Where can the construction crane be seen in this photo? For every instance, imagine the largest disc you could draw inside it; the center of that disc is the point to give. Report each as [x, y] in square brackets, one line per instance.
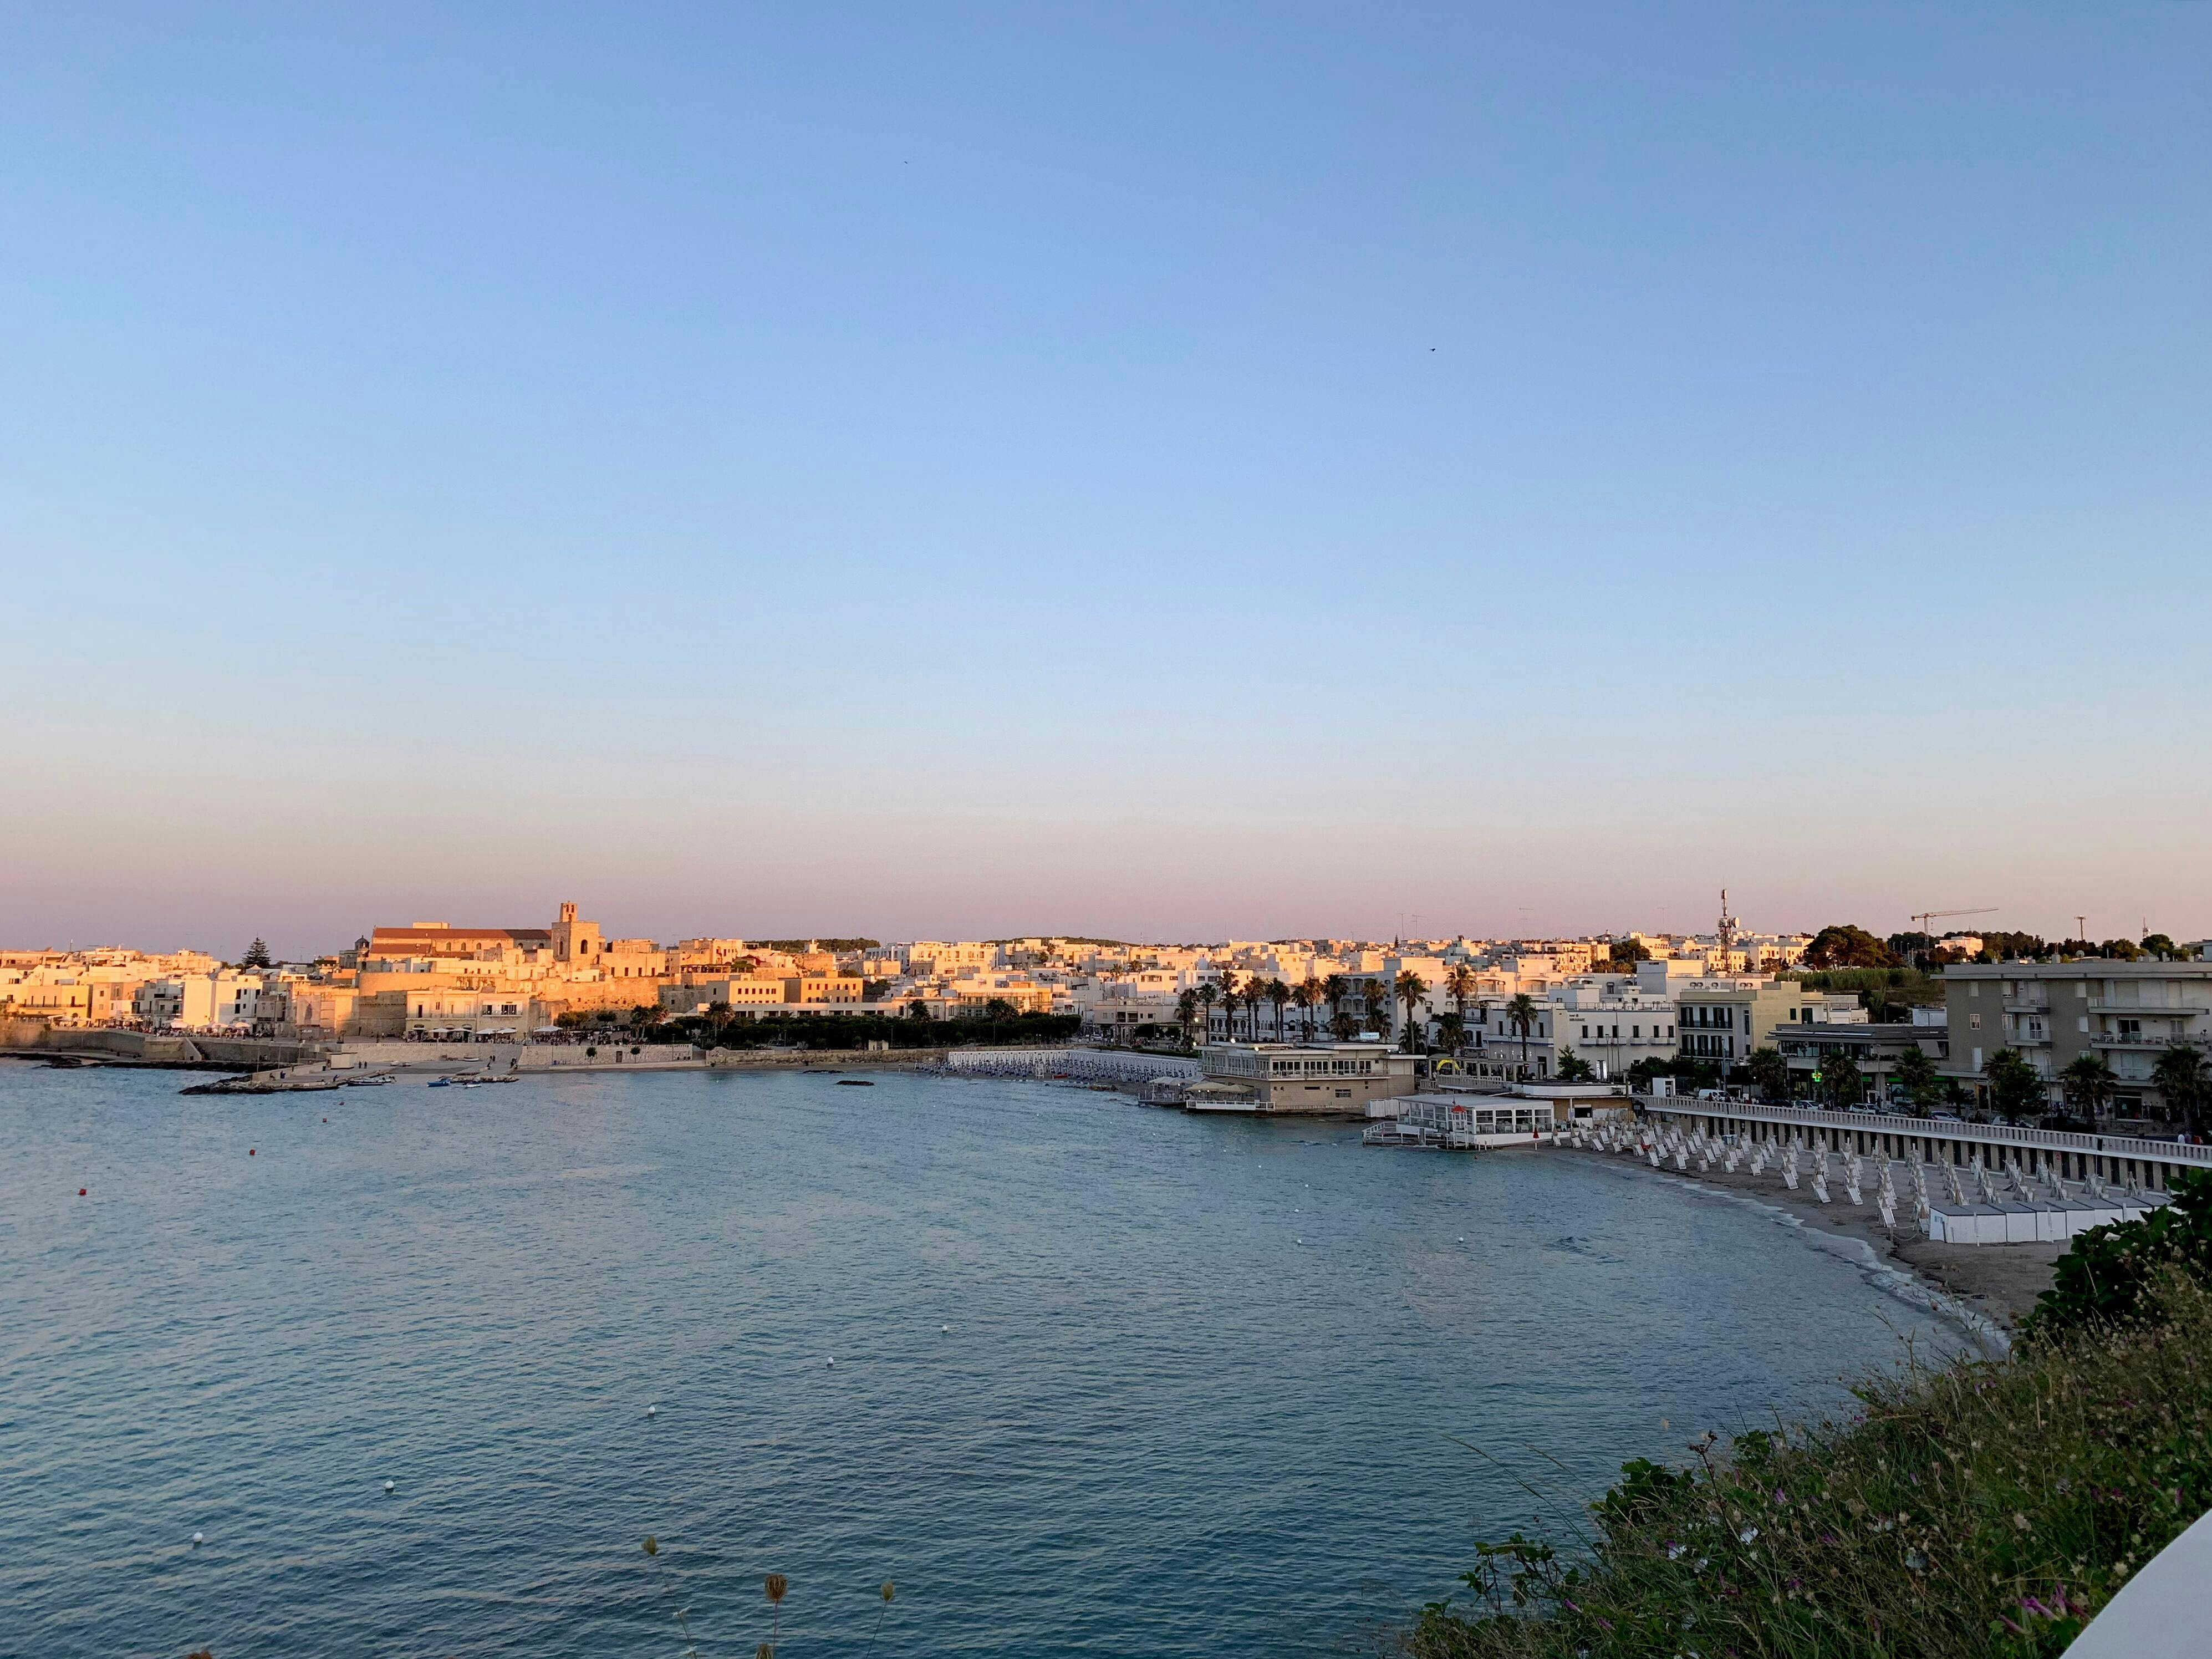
[1923, 917]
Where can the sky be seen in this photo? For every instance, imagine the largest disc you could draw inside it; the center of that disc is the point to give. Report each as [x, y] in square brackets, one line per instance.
[1156, 471]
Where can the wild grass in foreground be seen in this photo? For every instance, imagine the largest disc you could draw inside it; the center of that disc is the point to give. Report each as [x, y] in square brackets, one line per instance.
[1983, 1509]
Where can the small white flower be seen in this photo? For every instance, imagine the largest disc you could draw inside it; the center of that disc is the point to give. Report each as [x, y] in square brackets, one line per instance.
[1747, 1534]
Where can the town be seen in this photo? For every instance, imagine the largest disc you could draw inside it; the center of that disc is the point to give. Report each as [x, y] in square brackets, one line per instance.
[1990, 1024]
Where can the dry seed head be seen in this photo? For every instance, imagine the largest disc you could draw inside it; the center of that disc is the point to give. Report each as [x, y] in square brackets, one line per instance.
[775, 1586]
[887, 1589]
[652, 1545]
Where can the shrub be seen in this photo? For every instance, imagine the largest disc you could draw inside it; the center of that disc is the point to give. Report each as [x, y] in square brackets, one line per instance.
[1984, 1509]
[2109, 1270]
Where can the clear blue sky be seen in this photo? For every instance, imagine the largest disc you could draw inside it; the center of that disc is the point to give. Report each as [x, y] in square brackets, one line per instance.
[1175, 471]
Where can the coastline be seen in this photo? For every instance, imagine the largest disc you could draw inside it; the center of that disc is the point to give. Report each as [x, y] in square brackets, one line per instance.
[1984, 1289]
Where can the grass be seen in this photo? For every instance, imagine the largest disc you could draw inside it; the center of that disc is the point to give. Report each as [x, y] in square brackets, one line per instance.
[1987, 1507]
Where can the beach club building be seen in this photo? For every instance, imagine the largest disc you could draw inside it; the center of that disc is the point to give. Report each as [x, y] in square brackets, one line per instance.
[1328, 1077]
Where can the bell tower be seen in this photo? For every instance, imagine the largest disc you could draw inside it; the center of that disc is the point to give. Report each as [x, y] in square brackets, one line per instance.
[573, 941]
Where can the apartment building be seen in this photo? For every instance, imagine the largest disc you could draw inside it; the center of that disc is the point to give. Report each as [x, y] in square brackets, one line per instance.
[2053, 1012]
[740, 993]
[1724, 1019]
[1876, 1049]
[1610, 1023]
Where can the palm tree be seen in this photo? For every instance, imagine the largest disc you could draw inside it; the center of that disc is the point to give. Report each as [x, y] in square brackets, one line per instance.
[1411, 988]
[1333, 989]
[1304, 995]
[1451, 1033]
[1228, 1001]
[1208, 994]
[2089, 1082]
[1186, 1012]
[2180, 1077]
[1279, 994]
[1772, 1074]
[1459, 985]
[1376, 999]
[1521, 1015]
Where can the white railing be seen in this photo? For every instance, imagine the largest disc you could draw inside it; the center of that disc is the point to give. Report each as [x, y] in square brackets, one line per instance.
[2012, 1134]
[1114, 1065]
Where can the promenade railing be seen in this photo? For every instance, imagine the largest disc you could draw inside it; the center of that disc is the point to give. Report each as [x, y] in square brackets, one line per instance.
[1888, 1123]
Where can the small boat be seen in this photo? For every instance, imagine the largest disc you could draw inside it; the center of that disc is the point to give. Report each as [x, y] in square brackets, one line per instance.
[441, 1083]
[854, 1083]
[368, 1082]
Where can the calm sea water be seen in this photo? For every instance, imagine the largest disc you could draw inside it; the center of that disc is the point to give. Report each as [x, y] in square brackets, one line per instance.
[1108, 1380]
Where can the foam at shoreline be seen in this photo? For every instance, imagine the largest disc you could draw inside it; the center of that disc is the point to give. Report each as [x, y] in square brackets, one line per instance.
[1904, 1285]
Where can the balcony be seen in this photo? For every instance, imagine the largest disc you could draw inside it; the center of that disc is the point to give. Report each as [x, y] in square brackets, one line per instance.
[2145, 1043]
[2143, 1010]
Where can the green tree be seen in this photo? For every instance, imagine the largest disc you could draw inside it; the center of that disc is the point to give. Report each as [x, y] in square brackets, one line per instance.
[1770, 1072]
[1451, 1033]
[1229, 999]
[1411, 988]
[2158, 945]
[1626, 953]
[1186, 1013]
[999, 1008]
[1307, 995]
[1573, 1068]
[1839, 1080]
[257, 956]
[1521, 1015]
[1846, 946]
[917, 1010]
[1916, 1073]
[1342, 1026]
[1279, 994]
[2106, 1273]
[2015, 1090]
[1208, 994]
[2089, 1082]
[2178, 1077]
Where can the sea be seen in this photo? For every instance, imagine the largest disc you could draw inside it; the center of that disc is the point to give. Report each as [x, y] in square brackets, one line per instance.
[999, 1367]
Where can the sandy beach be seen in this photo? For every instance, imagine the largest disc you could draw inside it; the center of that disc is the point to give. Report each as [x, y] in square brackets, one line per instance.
[1999, 1282]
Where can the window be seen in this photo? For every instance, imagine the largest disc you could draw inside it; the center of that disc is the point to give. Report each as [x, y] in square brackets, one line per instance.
[1975, 1021]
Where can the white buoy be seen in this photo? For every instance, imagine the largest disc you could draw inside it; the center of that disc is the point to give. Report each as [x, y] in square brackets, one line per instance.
[387, 1485]
[199, 1539]
[1462, 1238]
[946, 1329]
[651, 1410]
[832, 1361]
[1297, 1241]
